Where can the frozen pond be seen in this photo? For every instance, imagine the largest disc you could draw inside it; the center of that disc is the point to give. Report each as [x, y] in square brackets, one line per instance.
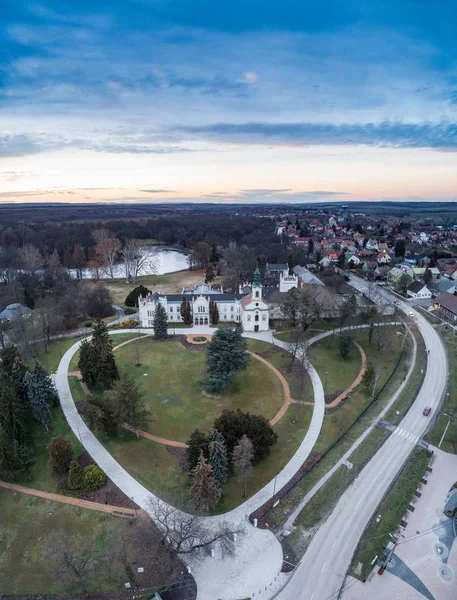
[167, 260]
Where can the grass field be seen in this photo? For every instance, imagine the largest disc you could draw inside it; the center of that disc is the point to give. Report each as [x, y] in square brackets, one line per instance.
[392, 510]
[171, 374]
[25, 522]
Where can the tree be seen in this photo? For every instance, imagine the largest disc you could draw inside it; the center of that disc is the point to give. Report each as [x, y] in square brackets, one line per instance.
[160, 322]
[15, 457]
[403, 282]
[60, 453]
[243, 457]
[107, 249]
[38, 398]
[214, 257]
[72, 558]
[134, 295]
[234, 424]
[128, 404]
[101, 414]
[86, 362]
[226, 356]
[204, 490]
[75, 476]
[291, 306]
[79, 260]
[40, 383]
[210, 275]
[213, 313]
[18, 378]
[186, 313]
[197, 444]
[8, 357]
[31, 257]
[104, 370]
[427, 277]
[12, 411]
[346, 345]
[200, 255]
[218, 458]
[98, 302]
[137, 258]
[400, 248]
[191, 534]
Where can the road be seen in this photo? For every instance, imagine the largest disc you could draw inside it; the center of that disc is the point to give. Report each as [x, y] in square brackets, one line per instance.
[322, 571]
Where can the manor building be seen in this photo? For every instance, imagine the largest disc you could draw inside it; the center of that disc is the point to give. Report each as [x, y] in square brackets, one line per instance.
[248, 307]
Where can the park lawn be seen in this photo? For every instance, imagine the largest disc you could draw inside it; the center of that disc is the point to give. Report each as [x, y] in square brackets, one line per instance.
[392, 510]
[449, 443]
[257, 346]
[25, 521]
[50, 359]
[42, 476]
[170, 374]
[299, 390]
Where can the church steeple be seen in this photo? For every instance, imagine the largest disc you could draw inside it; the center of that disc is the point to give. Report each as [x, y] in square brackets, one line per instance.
[256, 281]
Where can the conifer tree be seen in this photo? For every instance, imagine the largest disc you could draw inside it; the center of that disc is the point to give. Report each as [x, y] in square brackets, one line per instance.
[210, 275]
[226, 357]
[243, 456]
[86, 362]
[61, 453]
[218, 458]
[186, 312]
[204, 491]
[15, 457]
[39, 393]
[127, 400]
[12, 411]
[8, 357]
[160, 322]
[18, 377]
[214, 257]
[105, 370]
[213, 313]
[196, 445]
[75, 476]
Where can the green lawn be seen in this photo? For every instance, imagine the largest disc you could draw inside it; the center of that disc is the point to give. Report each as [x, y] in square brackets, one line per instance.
[450, 404]
[25, 522]
[171, 374]
[392, 510]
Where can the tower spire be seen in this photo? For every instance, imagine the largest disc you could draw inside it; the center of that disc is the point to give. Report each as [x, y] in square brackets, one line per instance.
[256, 281]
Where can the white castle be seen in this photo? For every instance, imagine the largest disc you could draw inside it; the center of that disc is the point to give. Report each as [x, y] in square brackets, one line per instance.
[249, 307]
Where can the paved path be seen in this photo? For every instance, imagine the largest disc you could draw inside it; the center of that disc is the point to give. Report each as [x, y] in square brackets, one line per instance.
[108, 508]
[288, 524]
[322, 570]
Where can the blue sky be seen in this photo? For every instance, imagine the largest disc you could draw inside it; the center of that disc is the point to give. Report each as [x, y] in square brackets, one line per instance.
[229, 102]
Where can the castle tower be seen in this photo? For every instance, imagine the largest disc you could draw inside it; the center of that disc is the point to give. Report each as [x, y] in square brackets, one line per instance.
[257, 285]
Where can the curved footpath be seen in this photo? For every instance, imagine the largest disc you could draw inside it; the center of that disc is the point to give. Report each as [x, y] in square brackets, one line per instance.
[322, 571]
[256, 565]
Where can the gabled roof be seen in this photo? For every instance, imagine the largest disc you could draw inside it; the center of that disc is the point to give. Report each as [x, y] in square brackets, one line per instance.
[416, 286]
[306, 276]
[447, 301]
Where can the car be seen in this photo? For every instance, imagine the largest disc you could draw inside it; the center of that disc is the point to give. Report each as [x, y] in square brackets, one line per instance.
[411, 314]
[427, 410]
[378, 518]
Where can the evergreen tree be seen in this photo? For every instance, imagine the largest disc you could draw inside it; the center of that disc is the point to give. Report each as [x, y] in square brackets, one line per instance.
[18, 377]
[127, 399]
[346, 345]
[214, 256]
[213, 313]
[105, 369]
[196, 445]
[12, 411]
[75, 476]
[226, 357]
[218, 458]
[210, 275]
[160, 322]
[101, 414]
[243, 457]
[39, 393]
[87, 362]
[15, 457]
[186, 313]
[204, 490]
[8, 357]
[61, 453]
[132, 298]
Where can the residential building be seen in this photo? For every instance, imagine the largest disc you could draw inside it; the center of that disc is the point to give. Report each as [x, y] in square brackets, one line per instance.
[418, 290]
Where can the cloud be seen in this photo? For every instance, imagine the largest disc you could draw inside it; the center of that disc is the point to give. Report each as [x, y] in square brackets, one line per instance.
[441, 136]
[157, 191]
[250, 77]
[21, 194]
[15, 175]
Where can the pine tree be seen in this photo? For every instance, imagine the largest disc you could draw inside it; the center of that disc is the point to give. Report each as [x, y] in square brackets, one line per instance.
[127, 399]
[186, 312]
[226, 357]
[196, 445]
[86, 362]
[213, 313]
[8, 357]
[218, 458]
[210, 275]
[243, 457]
[75, 476]
[105, 369]
[18, 377]
[214, 256]
[61, 453]
[15, 457]
[160, 322]
[204, 490]
[12, 411]
[39, 393]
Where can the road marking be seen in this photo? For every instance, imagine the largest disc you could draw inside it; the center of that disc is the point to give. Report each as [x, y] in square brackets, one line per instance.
[397, 430]
[325, 564]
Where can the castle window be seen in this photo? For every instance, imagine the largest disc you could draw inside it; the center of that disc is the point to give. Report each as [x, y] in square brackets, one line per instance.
[257, 294]
[249, 317]
[171, 309]
[257, 317]
[264, 317]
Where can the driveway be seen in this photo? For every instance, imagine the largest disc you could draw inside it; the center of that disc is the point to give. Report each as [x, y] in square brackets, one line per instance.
[425, 564]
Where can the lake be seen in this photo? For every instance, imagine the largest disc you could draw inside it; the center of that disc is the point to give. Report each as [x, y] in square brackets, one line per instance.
[168, 260]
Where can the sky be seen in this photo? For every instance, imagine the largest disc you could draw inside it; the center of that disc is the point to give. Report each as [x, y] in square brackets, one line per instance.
[230, 102]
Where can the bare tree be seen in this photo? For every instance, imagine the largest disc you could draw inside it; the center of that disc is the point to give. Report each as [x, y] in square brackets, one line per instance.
[137, 258]
[243, 456]
[31, 257]
[47, 319]
[71, 558]
[107, 250]
[98, 235]
[190, 534]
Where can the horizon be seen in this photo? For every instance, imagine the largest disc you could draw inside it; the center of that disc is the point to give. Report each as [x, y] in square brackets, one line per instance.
[139, 102]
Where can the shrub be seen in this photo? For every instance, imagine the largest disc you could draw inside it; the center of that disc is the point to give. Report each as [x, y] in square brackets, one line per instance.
[76, 476]
[132, 298]
[88, 324]
[130, 311]
[127, 324]
[61, 453]
[94, 478]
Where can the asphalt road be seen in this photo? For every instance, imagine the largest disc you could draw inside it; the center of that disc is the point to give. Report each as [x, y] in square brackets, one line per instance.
[322, 570]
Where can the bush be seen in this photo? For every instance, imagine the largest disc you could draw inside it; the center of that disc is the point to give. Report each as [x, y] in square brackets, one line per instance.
[61, 454]
[132, 298]
[94, 478]
[128, 324]
[88, 324]
[76, 476]
[130, 311]
[234, 424]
